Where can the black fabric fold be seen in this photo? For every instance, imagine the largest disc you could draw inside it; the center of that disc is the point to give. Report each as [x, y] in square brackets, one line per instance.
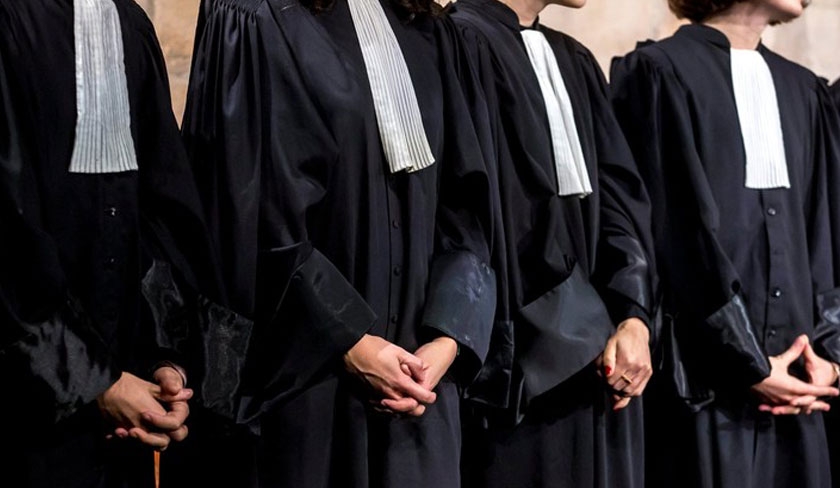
[460, 303]
[565, 330]
[313, 309]
[57, 367]
[827, 333]
[737, 345]
[304, 329]
[208, 340]
[492, 385]
[670, 362]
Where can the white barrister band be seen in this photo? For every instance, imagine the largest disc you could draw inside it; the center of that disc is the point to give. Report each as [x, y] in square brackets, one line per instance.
[570, 166]
[398, 115]
[103, 117]
[761, 126]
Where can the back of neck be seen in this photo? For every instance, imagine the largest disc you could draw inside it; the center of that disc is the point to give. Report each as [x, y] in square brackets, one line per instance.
[526, 10]
[742, 24]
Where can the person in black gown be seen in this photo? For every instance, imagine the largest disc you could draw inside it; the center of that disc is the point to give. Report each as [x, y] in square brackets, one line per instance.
[553, 406]
[365, 281]
[86, 207]
[832, 419]
[734, 144]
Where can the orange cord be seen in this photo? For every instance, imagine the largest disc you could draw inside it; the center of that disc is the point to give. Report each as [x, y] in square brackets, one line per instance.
[157, 469]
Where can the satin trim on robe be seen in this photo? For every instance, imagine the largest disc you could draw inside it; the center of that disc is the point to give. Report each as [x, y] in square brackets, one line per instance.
[103, 124]
[570, 166]
[761, 125]
[398, 115]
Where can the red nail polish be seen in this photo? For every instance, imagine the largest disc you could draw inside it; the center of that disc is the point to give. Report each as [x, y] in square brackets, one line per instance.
[607, 370]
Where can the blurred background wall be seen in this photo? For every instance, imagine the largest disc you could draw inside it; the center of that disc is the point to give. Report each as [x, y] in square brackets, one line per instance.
[607, 27]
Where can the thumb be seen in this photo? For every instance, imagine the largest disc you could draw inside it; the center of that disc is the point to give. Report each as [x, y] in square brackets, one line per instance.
[794, 351]
[170, 380]
[171, 386]
[810, 355]
[418, 375]
[414, 367]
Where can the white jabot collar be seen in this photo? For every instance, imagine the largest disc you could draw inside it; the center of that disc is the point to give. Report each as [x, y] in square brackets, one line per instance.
[761, 125]
[398, 115]
[103, 141]
[569, 163]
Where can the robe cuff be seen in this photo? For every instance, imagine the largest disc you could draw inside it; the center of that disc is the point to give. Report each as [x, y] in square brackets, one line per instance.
[206, 339]
[564, 331]
[461, 302]
[827, 333]
[492, 386]
[627, 292]
[737, 345]
[671, 365]
[629, 310]
[61, 364]
[307, 320]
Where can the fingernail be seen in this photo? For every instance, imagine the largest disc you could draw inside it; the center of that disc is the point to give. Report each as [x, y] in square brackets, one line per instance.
[607, 370]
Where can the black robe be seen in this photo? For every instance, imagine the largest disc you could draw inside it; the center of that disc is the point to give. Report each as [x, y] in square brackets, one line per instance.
[744, 271]
[832, 418]
[321, 244]
[569, 269]
[75, 247]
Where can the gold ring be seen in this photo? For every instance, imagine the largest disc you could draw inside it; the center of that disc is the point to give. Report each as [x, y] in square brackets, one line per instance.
[625, 378]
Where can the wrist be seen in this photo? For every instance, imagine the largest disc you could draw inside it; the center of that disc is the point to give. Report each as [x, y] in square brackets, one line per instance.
[449, 344]
[634, 324]
[355, 347]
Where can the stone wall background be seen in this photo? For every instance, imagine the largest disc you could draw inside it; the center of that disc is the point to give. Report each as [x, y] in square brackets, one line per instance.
[607, 27]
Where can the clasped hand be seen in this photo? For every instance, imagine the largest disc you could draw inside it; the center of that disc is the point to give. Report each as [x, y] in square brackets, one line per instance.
[784, 394]
[401, 382]
[152, 413]
[625, 363]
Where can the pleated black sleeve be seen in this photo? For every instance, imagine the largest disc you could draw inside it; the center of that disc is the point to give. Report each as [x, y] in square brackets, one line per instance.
[76, 247]
[494, 381]
[652, 107]
[317, 242]
[462, 287]
[562, 263]
[747, 270]
[245, 174]
[624, 269]
[827, 135]
[47, 338]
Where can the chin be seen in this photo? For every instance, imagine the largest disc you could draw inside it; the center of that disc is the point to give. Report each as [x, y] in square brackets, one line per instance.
[570, 3]
[787, 10]
[785, 18]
